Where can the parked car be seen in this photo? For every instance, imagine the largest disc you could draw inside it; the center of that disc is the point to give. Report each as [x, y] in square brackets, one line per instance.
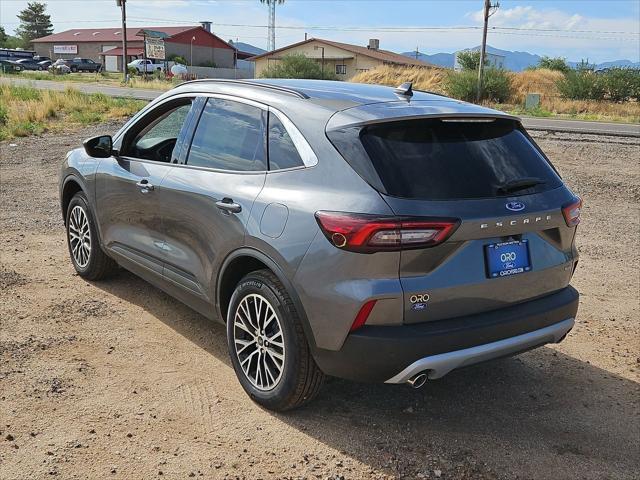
[9, 66]
[84, 65]
[341, 229]
[60, 66]
[28, 64]
[44, 64]
[146, 66]
[40, 58]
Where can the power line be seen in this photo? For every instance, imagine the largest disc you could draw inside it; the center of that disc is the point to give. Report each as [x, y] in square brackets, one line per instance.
[556, 33]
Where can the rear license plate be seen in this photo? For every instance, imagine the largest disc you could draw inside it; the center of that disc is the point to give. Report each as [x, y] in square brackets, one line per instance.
[508, 258]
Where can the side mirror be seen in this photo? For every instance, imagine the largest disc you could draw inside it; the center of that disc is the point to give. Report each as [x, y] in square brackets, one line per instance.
[99, 147]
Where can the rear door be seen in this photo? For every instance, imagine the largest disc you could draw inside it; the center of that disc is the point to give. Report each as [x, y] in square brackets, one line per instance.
[512, 243]
[209, 196]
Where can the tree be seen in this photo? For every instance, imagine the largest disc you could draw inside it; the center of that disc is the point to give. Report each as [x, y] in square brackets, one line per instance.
[34, 22]
[554, 63]
[297, 66]
[469, 60]
[9, 41]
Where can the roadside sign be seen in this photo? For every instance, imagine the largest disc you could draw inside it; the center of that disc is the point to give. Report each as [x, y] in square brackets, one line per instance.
[73, 49]
[154, 48]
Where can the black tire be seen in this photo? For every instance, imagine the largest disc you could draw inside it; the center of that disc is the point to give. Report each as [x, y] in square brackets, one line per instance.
[300, 379]
[96, 265]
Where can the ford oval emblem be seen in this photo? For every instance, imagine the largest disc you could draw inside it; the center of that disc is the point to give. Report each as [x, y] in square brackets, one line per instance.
[515, 206]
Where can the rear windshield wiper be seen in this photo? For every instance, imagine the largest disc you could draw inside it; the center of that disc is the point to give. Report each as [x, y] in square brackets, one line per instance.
[518, 184]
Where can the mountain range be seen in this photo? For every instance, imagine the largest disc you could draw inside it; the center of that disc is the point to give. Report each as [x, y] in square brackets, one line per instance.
[516, 61]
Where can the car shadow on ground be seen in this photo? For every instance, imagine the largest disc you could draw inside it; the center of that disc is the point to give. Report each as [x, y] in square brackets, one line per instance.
[543, 414]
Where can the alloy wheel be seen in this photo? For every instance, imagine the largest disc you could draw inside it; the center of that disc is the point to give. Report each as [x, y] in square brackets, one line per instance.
[258, 342]
[79, 236]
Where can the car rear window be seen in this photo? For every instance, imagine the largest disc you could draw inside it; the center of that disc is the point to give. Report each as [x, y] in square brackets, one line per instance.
[444, 159]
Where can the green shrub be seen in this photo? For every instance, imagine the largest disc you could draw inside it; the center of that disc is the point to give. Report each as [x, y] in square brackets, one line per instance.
[297, 66]
[469, 59]
[621, 84]
[464, 85]
[582, 84]
[554, 63]
[177, 59]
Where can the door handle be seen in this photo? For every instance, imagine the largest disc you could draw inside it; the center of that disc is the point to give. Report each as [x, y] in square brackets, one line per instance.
[228, 205]
[144, 186]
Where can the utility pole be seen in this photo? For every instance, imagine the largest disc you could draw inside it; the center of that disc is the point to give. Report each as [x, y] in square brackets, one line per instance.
[121, 4]
[272, 25]
[488, 11]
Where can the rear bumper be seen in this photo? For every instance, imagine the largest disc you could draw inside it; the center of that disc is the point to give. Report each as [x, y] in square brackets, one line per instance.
[393, 354]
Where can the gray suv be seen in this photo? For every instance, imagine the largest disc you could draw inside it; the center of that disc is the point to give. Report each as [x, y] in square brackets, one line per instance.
[357, 231]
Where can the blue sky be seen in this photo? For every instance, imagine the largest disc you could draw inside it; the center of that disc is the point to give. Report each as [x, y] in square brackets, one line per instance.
[555, 23]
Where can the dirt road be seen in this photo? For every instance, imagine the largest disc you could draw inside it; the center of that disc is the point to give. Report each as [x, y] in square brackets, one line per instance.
[117, 380]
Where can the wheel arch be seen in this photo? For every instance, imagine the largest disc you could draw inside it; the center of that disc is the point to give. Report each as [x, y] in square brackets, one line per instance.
[243, 261]
[70, 187]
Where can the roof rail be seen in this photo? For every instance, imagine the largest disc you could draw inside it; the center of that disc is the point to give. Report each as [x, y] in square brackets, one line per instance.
[289, 90]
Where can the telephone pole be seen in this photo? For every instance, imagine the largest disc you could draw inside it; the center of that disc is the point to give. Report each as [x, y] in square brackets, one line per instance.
[488, 11]
[121, 4]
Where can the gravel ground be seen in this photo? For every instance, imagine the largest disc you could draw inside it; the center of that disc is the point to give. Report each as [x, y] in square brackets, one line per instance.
[117, 380]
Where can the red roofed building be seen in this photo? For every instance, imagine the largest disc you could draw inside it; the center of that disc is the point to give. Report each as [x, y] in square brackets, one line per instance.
[196, 44]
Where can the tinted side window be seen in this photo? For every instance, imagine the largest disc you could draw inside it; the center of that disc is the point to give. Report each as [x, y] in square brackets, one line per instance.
[282, 151]
[229, 136]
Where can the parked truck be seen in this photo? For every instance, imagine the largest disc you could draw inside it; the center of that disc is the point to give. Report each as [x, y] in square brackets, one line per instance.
[146, 66]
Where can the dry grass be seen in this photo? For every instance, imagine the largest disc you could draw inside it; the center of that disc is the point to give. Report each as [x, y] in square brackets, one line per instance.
[153, 83]
[27, 111]
[540, 81]
[429, 79]
[627, 112]
[105, 78]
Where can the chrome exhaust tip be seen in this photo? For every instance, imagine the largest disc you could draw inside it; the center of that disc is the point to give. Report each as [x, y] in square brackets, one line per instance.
[418, 380]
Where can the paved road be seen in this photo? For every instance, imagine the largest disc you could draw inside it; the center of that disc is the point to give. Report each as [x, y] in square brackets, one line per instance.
[555, 125]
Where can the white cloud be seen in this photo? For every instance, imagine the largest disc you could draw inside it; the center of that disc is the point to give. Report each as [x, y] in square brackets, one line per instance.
[567, 40]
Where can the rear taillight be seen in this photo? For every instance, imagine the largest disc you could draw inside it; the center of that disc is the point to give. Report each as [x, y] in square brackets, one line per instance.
[374, 233]
[571, 212]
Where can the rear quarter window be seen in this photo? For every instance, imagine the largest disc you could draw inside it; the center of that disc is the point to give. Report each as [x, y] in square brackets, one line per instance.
[442, 159]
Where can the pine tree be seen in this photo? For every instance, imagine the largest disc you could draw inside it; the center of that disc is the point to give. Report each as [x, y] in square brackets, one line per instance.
[34, 22]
